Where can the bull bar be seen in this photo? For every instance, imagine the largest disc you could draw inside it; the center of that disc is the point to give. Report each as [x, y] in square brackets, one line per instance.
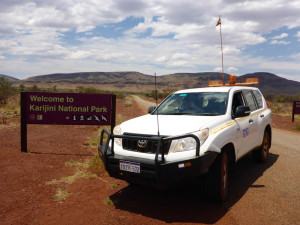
[153, 173]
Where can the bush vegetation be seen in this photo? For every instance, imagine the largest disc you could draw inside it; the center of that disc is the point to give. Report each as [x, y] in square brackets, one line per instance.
[160, 95]
[9, 97]
[79, 89]
[282, 98]
[282, 105]
[6, 91]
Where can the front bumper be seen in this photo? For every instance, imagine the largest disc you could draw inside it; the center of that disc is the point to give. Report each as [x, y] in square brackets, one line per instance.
[158, 172]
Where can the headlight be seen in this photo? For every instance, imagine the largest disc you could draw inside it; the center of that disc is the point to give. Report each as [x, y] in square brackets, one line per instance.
[189, 143]
[185, 144]
[118, 131]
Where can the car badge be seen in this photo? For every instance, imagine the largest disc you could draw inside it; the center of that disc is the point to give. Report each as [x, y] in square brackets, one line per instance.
[142, 143]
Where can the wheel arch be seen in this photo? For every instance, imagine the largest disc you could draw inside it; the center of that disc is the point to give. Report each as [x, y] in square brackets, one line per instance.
[269, 130]
[230, 150]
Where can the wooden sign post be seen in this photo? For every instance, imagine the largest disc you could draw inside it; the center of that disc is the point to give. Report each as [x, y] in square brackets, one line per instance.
[296, 109]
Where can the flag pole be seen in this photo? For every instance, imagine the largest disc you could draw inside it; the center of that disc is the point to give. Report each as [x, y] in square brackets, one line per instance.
[219, 23]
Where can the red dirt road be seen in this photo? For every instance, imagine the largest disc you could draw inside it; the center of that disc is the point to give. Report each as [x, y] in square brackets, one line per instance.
[260, 193]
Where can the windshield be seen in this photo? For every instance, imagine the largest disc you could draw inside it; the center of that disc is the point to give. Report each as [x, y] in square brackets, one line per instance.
[201, 103]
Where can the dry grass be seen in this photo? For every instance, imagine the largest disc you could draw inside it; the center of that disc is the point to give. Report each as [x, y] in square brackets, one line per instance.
[282, 109]
[81, 171]
[10, 110]
[106, 87]
[297, 127]
[87, 169]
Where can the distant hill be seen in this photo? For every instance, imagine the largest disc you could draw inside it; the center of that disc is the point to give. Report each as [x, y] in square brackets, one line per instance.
[272, 84]
[125, 81]
[10, 79]
[138, 82]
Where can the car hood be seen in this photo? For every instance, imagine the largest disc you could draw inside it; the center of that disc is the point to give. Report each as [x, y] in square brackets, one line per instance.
[168, 124]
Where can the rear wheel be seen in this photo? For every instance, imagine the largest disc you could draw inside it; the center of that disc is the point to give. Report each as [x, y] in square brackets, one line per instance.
[262, 154]
[218, 177]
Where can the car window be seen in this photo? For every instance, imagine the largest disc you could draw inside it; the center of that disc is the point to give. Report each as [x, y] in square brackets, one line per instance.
[250, 100]
[258, 98]
[202, 103]
[237, 101]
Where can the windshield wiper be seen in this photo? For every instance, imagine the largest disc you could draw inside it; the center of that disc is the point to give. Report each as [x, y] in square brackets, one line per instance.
[208, 114]
[176, 113]
[194, 114]
[179, 113]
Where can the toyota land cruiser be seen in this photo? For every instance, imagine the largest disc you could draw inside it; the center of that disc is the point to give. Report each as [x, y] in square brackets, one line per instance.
[193, 131]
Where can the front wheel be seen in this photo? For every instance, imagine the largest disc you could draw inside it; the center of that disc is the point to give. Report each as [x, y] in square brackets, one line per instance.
[218, 177]
[262, 154]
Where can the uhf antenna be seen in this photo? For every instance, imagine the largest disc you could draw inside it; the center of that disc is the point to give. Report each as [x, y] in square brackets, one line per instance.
[156, 106]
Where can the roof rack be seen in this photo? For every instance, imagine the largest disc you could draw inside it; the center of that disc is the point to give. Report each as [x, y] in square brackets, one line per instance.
[232, 82]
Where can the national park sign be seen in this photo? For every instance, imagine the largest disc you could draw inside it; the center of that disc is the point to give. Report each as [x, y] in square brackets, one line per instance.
[66, 109]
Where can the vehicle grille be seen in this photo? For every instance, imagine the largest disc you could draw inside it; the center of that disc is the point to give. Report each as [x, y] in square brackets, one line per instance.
[145, 146]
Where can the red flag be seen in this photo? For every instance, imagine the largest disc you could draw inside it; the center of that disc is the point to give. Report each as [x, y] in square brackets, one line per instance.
[219, 21]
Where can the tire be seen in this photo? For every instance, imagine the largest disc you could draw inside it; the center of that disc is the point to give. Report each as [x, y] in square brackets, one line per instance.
[262, 154]
[218, 178]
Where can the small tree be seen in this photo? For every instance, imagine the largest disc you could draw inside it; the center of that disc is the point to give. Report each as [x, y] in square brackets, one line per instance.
[6, 90]
[54, 89]
[34, 88]
[22, 87]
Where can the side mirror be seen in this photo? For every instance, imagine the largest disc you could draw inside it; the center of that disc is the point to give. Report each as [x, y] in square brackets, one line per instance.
[242, 111]
[151, 109]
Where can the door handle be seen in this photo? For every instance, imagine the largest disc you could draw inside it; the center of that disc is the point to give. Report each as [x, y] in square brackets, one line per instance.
[251, 121]
[262, 116]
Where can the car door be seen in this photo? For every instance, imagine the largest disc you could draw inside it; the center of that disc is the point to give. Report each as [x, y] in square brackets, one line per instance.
[242, 139]
[253, 122]
[263, 115]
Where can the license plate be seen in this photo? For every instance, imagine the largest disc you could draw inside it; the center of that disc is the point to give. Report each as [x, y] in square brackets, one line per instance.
[130, 166]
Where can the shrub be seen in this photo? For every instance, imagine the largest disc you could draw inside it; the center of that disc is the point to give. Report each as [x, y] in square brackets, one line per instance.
[22, 87]
[34, 88]
[92, 90]
[89, 90]
[282, 98]
[160, 95]
[6, 90]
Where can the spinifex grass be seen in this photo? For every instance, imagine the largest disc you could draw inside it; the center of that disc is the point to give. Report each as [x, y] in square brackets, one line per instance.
[87, 169]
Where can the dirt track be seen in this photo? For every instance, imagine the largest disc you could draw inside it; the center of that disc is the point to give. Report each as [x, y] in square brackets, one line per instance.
[260, 193]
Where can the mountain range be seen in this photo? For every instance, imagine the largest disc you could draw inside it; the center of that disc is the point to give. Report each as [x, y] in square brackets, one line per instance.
[9, 78]
[138, 82]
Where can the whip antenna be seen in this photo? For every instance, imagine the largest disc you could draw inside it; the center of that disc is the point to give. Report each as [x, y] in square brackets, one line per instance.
[156, 107]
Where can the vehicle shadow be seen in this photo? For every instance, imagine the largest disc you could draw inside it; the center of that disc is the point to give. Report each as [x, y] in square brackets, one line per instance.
[190, 203]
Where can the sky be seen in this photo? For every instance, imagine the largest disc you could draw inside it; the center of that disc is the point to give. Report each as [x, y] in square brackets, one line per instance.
[149, 36]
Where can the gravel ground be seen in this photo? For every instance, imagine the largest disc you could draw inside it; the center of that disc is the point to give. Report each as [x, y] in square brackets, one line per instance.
[266, 193]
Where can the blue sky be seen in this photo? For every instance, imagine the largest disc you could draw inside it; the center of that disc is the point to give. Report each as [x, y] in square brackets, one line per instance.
[149, 36]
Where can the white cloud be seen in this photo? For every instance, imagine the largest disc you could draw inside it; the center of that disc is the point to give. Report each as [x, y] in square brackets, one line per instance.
[174, 36]
[298, 35]
[275, 42]
[232, 69]
[283, 35]
[265, 15]
[280, 66]
[161, 59]
[217, 69]
[295, 56]
[290, 77]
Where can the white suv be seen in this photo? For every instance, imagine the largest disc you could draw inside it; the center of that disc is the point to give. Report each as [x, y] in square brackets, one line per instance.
[191, 132]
